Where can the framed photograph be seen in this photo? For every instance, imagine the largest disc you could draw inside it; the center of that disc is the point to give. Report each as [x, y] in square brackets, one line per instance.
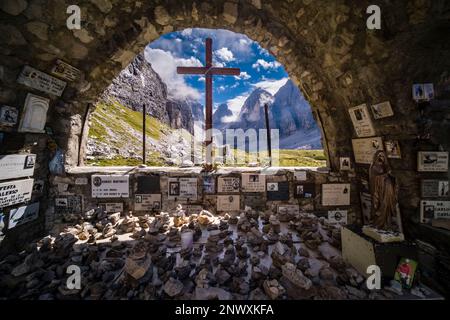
[272, 186]
[344, 164]
[305, 191]
[382, 110]
[428, 89]
[432, 161]
[392, 148]
[418, 92]
[8, 116]
[405, 272]
[174, 188]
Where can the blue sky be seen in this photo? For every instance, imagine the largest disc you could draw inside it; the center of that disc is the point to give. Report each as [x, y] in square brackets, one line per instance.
[187, 48]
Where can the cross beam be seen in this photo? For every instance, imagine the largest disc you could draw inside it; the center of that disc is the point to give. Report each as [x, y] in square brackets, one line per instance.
[208, 71]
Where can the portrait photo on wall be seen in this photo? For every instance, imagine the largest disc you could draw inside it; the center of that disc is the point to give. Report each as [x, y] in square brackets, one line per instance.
[174, 188]
[392, 149]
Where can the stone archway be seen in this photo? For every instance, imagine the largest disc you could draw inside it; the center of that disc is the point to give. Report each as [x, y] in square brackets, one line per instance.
[326, 49]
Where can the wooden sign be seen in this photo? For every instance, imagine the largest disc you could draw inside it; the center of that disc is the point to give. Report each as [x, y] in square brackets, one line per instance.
[23, 215]
[336, 194]
[228, 202]
[255, 201]
[252, 182]
[8, 116]
[17, 166]
[423, 92]
[14, 192]
[34, 115]
[228, 184]
[300, 175]
[361, 121]
[288, 208]
[305, 191]
[147, 202]
[112, 207]
[69, 204]
[432, 161]
[435, 188]
[65, 71]
[81, 181]
[392, 148]
[337, 216]
[365, 149]
[382, 110]
[344, 164]
[434, 209]
[209, 184]
[148, 185]
[182, 188]
[41, 81]
[110, 186]
[278, 191]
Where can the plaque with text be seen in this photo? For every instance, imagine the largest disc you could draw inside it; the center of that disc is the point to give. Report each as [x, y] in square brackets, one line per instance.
[23, 215]
[41, 81]
[193, 208]
[288, 208]
[17, 166]
[337, 216]
[435, 188]
[14, 192]
[182, 188]
[432, 161]
[382, 110]
[228, 202]
[65, 71]
[253, 182]
[209, 184]
[228, 184]
[147, 202]
[305, 191]
[81, 181]
[278, 191]
[148, 185]
[434, 209]
[112, 207]
[110, 186]
[70, 204]
[365, 149]
[362, 123]
[300, 175]
[336, 194]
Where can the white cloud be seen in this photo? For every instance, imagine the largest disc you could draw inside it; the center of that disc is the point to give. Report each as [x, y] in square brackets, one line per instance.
[235, 104]
[165, 64]
[225, 55]
[201, 79]
[261, 63]
[221, 88]
[186, 32]
[243, 76]
[272, 86]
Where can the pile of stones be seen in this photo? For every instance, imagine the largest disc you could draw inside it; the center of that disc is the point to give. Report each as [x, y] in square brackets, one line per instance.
[252, 255]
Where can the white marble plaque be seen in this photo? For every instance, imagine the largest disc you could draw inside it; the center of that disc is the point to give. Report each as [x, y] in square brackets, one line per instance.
[8, 116]
[336, 194]
[252, 182]
[34, 115]
[433, 209]
[14, 192]
[81, 181]
[182, 188]
[300, 175]
[147, 202]
[337, 216]
[382, 110]
[228, 202]
[65, 71]
[41, 81]
[361, 121]
[365, 149]
[112, 207]
[288, 208]
[228, 184]
[432, 161]
[17, 166]
[23, 215]
[434, 188]
[110, 186]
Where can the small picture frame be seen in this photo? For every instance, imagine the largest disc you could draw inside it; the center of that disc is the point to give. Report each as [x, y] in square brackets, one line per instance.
[392, 148]
[344, 164]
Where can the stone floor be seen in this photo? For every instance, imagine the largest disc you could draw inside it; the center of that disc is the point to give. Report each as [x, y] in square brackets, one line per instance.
[254, 255]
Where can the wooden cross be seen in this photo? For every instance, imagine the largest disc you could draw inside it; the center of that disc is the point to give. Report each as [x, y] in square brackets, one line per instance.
[209, 71]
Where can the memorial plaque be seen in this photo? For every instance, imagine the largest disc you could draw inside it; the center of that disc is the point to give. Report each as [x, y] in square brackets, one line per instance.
[336, 194]
[228, 202]
[432, 161]
[17, 166]
[252, 182]
[209, 184]
[41, 81]
[8, 116]
[148, 185]
[288, 208]
[14, 192]
[228, 184]
[34, 115]
[182, 188]
[300, 175]
[382, 110]
[193, 208]
[337, 216]
[434, 188]
[255, 201]
[65, 71]
[392, 148]
[278, 191]
[110, 207]
[110, 186]
[305, 191]
[433, 209]
[423, 92]
[81, 181]
[70, 204]
[365, 149]
[366, 207]
[23, 215]
[147, 202]
[344, 163]
[361, 121]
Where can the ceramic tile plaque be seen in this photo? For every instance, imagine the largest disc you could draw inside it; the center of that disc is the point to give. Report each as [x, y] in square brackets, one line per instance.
[147, 202]
[15, 192]
[228, 184]
[17, 166]
[112, 207]
[337, 216]
[434, 209]
[182, 188]
[435, 188]
[110, 186]
[336, 194]
[229, 202]
[362, 123]
[432, 161]
[253, 182]
[365, 149]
